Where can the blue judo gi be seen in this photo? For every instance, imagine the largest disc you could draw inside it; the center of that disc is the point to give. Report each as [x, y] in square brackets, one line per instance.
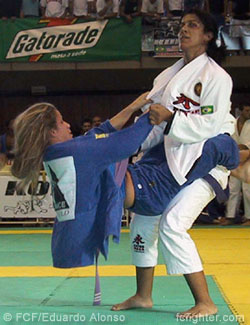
[155, 186]
[86, 198]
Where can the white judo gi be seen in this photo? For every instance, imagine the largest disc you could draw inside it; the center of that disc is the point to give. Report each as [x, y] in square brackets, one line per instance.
[235, 184]
[199, 96]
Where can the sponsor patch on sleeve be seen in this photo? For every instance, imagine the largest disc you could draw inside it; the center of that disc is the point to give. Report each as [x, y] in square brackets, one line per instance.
[207, 110]
[101, 136]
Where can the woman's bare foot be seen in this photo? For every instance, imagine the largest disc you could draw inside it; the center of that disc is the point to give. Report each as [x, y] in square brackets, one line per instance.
[199, 310]
[134, 302]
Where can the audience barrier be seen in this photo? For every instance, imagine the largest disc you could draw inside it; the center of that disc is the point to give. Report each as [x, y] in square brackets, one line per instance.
[16, 205]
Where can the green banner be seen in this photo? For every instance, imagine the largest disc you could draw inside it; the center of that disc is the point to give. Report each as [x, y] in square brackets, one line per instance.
[31, 40]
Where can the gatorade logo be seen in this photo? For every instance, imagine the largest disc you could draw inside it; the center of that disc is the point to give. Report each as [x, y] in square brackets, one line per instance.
[56, 39]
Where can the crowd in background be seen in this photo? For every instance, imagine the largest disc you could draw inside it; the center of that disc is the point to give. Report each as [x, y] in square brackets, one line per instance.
[88, 124]
[128, 9]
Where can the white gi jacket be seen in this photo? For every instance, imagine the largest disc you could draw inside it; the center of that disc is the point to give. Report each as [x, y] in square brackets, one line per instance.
[244, 136]
[199, 94]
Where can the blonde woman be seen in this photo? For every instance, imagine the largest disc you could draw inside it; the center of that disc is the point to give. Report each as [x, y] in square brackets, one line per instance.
[85, 196]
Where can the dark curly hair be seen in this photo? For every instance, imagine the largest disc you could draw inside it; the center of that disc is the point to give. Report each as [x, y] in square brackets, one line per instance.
[216, 52]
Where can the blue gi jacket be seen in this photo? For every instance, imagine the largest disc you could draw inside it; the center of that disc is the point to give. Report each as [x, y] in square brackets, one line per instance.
[87, 200]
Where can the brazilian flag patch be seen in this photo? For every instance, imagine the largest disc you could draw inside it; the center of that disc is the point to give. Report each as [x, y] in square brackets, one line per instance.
[207, 110]
[102, 135]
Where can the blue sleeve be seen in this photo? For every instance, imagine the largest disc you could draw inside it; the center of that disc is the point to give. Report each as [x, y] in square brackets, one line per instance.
[105, 127]
[108, 148]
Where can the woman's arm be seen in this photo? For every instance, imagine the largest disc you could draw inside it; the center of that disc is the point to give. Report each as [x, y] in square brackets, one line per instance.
[108, 148]
[120, 119]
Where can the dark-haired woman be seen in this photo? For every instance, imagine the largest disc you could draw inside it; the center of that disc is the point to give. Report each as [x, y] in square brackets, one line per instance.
[195, 93]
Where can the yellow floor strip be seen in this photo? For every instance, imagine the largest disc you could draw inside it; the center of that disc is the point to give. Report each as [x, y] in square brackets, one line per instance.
[197, 233]
[28, 232]
[220, 270]
[24, 232]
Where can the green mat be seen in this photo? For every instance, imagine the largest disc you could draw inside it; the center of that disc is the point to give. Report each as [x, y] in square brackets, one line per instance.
[54, 299]
[64, 300]
[34, 249]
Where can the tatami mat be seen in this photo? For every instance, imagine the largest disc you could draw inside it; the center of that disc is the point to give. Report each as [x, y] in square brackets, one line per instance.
[30, 287]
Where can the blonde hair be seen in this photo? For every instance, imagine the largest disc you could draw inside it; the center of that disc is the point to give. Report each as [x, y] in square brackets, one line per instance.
[31, 130]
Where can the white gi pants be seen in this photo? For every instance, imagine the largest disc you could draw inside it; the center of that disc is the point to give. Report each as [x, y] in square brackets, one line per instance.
[235, 186]
[179, 251]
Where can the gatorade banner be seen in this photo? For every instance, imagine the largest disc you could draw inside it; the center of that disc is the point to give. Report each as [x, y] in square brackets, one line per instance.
[31, 40]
